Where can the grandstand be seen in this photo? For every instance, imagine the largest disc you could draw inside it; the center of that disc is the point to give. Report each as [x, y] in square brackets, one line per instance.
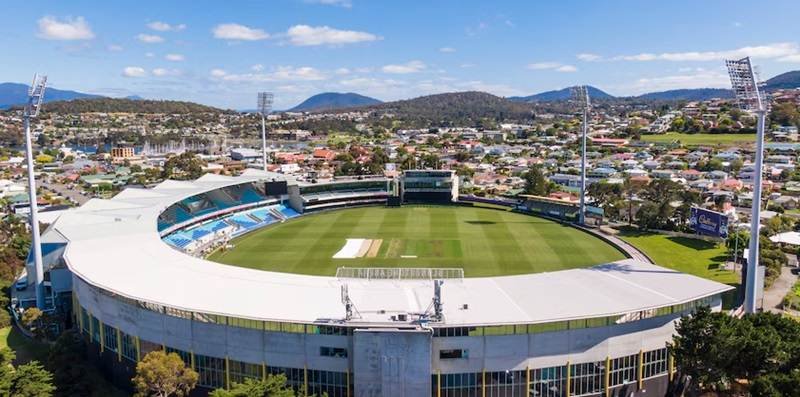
[596, 331]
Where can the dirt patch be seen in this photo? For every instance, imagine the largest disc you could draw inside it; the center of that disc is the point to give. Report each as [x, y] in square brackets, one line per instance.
[373, 248]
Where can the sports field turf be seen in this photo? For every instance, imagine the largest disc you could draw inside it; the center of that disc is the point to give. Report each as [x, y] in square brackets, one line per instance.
[484, 242]
[701, 139]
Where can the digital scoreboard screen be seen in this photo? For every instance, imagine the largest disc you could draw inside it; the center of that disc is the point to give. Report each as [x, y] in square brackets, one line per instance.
[276, 188]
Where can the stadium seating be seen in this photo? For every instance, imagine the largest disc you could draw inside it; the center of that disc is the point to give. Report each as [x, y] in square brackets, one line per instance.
[243, 220]
[287, 212]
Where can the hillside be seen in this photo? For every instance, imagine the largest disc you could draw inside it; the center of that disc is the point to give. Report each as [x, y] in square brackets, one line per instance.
[120, 105]
[784, 80]
[692, 94]
[334, 100]
[456, 108]
[561, 95]
[16, 94]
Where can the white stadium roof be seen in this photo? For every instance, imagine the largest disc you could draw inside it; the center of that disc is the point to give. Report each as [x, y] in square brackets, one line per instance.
[114, 245]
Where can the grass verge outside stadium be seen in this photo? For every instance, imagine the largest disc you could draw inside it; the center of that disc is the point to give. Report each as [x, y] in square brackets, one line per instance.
[693, 256]
[484, 242]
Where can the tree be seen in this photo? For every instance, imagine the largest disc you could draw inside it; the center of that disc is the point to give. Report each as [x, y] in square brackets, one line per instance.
[69, 363]
[31, 318]
[272, 386]
[28, 380]
[162, 375]
[186, 166]
[535, 182]
[32, 380]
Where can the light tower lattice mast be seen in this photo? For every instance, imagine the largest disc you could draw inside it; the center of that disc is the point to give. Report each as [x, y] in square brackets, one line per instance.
[751, 99]
[264, 108]
[581, 93]
[35, 98]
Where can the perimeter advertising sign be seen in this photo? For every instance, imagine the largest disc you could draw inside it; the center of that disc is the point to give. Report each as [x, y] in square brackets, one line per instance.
[709, 223]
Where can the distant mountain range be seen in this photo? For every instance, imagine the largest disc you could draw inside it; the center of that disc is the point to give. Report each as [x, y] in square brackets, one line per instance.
[560, 95]
[16, 94]
[334, 100]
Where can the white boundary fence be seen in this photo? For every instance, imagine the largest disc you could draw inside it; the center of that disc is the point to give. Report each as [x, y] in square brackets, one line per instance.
[399, 273]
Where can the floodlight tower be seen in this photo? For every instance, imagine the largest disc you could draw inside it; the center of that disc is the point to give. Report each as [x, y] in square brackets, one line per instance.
[35, 98]
[751, 99]
[264, 108]
[581, 94]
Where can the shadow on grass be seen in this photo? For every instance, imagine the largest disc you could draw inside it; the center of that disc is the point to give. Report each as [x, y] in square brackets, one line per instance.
[481, 222]
[26, 349]
[693, 243]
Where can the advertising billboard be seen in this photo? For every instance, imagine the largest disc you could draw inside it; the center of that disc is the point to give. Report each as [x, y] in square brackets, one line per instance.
[709, 223]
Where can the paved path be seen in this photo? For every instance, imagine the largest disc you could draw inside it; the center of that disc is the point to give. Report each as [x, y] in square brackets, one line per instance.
[782, 285]
[630, 251]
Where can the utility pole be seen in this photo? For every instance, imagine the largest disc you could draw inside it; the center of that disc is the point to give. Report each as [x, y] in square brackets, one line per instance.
[32, 107]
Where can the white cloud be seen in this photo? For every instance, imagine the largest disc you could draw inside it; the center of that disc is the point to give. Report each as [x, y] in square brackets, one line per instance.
[558, 67]
[342, 71]
[174, 57]
[134, 71]
[165, 27]
[162, 72]
[115, 48]
[767, 51]
[700, 78]
[447, 49]
[51, 28]
[257, 67]
[149, 38]
[149, 54]
[338, 3]
[234, 31]
[790, 58]
[281, 73]
[566, 69]
[304, 35]
[588, 57]
[467, 65]
[405, 68]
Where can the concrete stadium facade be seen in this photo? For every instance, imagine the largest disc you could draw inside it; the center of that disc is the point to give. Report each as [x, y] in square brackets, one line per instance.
[599, 331]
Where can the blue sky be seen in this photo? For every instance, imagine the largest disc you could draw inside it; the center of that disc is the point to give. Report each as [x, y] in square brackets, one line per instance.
[222, 53]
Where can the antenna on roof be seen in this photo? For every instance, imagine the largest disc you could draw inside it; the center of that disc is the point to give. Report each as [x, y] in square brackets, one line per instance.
[32, 107]
[438, 314]
[349, 307]
[581, 94]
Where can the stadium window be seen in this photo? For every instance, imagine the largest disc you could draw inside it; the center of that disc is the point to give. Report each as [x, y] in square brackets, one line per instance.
[293, 328]
[95, 329]
[338, 352]
[654, 363]
[587, 378]
[499, 330]
[211, 371]
[110, 337]
[623, 370]
[596, 322]
[128, 347]
[272, 326]
[240, 371]
[245, 323]
[450, 354]
[577, 324]
[547, 327]
[550, 381]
